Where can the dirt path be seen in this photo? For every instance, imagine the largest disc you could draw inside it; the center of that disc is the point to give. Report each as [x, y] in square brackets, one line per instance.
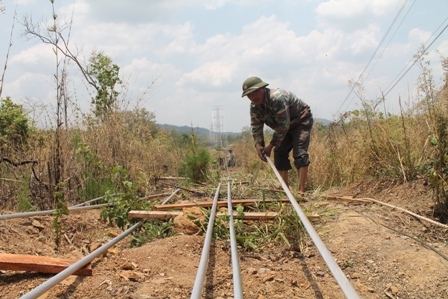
[379, 262]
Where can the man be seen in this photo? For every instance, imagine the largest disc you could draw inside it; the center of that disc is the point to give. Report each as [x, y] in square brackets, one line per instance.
[291, 120]
[230, 159]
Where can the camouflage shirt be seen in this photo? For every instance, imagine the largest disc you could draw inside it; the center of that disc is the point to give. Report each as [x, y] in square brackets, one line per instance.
[282, 110]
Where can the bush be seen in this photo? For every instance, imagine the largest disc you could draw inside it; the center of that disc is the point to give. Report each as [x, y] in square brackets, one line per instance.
[14, 124]
[196, 162]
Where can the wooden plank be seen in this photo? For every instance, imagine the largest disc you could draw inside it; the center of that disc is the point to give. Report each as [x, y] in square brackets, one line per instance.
[164, 215]
[272, 190]
[156, 195]
[43, 264]
[253, 215]
[171, 178]
[208, 204]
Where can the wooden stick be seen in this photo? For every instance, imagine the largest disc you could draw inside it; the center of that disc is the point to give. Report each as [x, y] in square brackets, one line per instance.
[19, 262]
[164, 215]
[349, 199]
[272, 190]
[157, 195]
[185, 189]
[171, 178]
[208, 204]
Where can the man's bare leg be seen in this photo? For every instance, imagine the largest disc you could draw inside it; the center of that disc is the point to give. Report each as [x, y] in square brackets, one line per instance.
[284, 175]
[302, 173]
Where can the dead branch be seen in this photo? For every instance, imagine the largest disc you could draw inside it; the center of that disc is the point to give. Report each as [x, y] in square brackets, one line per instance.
[4, 159]
[7, 53]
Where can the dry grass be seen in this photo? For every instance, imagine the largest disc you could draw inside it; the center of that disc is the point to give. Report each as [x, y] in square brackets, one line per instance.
[362, 145]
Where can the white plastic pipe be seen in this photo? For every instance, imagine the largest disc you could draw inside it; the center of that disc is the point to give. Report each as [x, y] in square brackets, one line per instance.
[202, 268]
[340, 277]
[48, 212]
[38, 291]
[95, 199]
[168, 199]
[237, 286]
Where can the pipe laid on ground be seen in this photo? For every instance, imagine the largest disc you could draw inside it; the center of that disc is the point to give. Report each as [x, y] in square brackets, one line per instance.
[168, 199]
[38, 291]
[95, 199]
[340, 277]
[237, 286]
[48, 212]
[200, 275]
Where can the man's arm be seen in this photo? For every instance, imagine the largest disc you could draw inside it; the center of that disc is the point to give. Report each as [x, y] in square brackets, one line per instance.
[282, 118]
[257, 126]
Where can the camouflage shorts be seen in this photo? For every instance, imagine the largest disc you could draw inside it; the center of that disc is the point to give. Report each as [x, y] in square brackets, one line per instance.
[298, 140]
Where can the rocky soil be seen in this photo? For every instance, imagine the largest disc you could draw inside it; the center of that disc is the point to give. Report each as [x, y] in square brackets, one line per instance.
[384, 252]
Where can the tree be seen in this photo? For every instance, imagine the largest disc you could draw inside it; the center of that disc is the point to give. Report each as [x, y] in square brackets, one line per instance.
[105, 74]
[52, 34]
[141, 122]
[14, 124]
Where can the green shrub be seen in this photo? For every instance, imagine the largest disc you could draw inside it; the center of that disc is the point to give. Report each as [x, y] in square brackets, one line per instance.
[14, 124]
[196, 162]
[124, 201]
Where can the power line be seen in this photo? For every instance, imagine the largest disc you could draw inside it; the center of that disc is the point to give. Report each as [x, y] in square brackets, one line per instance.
[376, 50]
[425, 49]
[396, 30]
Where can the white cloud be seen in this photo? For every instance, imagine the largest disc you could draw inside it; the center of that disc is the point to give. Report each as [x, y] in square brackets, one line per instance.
[362, 41]
[137, 11]
[418, 36]
[352, 15]
[198, 62]
[343, 9]
[37, 57]
[182, 40]
[212, 74]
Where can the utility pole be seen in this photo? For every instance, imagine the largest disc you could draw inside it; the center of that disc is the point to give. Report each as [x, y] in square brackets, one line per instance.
[217, 135]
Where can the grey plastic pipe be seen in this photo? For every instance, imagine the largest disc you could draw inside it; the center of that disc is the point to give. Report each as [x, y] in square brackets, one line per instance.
[340, 277]
[168, 199]
[47, 212]
[237, 286]
[202, 268]
[95, 199]
[38, 291]
[81, 263]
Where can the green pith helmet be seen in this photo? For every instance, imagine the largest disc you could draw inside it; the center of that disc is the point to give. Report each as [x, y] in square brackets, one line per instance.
[251, 84]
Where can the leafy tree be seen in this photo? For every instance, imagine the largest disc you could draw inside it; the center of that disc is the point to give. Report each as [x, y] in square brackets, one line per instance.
[14, 124]
[105, 73]
[141, 122]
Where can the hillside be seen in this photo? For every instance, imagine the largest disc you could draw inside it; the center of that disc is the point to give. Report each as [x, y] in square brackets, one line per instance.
[204, 131]
[187, 130]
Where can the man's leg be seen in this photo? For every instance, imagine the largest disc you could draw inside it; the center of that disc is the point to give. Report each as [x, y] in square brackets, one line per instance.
[281, 157]
[302, 174]
[301, 140]
[284, 175]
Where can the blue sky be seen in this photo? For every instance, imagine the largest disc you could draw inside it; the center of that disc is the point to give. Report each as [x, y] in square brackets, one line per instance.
[194, 55]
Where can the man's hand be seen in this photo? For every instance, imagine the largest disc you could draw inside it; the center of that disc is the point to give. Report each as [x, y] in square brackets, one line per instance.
[268, 150]
[261, 152]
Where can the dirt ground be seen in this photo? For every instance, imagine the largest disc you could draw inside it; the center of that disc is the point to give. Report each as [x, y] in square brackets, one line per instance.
[384, 252]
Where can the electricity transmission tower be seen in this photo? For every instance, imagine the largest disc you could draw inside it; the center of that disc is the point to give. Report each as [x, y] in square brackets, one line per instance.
[217, 136]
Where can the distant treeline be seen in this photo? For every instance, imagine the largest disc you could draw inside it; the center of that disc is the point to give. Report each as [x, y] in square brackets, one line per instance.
[203, 131]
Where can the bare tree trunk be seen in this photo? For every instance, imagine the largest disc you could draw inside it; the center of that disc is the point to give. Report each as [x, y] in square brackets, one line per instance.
[7, 53]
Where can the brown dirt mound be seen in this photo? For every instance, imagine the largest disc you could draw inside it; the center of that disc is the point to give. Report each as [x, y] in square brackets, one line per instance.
[373, 244]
